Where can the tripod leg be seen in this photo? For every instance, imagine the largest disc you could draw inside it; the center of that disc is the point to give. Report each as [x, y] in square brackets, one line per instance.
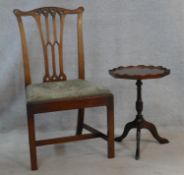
[127, 128]
[151, 127]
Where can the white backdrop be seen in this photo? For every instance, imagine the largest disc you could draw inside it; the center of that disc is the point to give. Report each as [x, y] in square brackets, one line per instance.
[116, 32]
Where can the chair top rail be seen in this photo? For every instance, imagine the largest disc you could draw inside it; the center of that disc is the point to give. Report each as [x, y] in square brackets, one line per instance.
[48, 10]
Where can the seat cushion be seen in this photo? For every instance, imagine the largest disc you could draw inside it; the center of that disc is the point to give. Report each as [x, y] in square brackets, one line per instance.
[62, 90]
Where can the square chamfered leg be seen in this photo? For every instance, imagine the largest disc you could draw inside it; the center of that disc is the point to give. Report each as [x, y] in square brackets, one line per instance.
[110, 129]
[80, 121]
[32, 141]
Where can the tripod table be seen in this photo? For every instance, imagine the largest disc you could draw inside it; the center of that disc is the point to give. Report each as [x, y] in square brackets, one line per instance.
[140, 73]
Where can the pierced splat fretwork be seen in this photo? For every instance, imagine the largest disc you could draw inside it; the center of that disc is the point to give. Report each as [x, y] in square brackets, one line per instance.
[55, 43]
[50, 22]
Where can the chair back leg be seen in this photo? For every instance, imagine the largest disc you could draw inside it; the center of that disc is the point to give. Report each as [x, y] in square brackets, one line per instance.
[110, 129]
[80, 121]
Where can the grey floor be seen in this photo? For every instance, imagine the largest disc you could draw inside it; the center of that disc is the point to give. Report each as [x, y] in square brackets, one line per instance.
[89, 157]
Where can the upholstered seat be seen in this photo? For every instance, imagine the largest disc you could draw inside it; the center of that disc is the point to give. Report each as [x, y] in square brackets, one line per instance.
[63, 90]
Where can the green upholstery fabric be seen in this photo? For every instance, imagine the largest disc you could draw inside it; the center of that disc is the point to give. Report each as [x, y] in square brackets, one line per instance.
[62, 90]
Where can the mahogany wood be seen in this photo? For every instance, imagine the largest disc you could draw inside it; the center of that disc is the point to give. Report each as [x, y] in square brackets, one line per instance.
[80, 121]
[61, 104]
[138, 73]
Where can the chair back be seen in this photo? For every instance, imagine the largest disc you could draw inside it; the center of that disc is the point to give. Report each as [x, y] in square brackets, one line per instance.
[48, 20]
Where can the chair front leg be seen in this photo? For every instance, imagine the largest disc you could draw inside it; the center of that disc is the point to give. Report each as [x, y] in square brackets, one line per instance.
[110, 129]
[32, 141]
[80, 121]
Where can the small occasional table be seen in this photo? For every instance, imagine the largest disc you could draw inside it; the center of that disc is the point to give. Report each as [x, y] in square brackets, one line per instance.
[139, 73]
